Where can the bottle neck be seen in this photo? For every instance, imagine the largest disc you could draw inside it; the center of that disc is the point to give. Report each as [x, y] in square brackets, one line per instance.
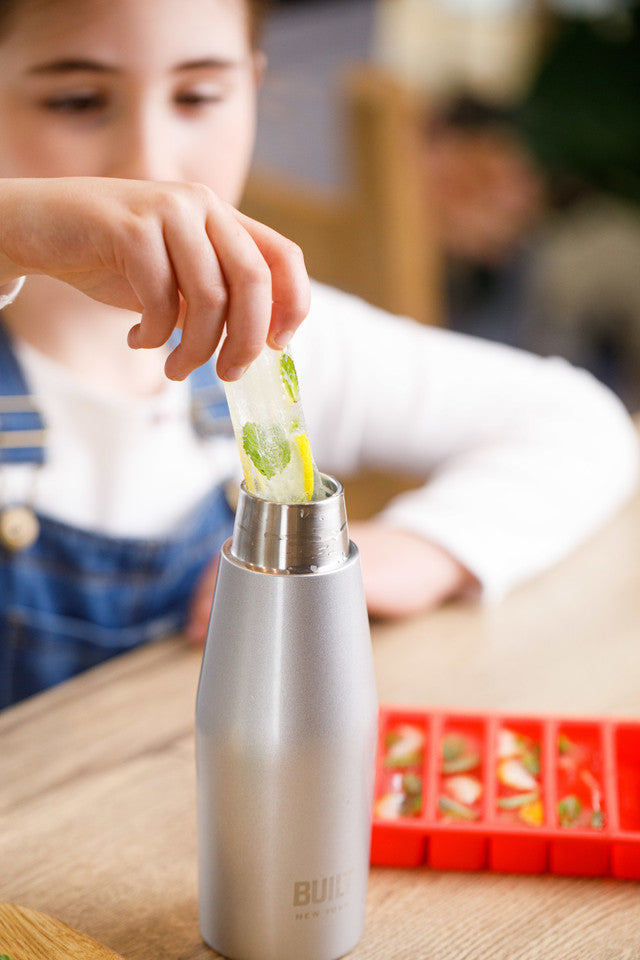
[292, 537]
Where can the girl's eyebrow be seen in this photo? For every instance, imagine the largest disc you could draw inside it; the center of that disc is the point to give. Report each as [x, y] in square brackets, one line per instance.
[71, 66]
[207, 63]
[78, 65]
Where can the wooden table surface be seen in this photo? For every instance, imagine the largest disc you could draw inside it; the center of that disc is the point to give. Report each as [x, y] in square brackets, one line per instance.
[97, 782]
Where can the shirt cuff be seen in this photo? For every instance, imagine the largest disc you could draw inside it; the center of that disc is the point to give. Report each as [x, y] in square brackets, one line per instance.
[9, 291]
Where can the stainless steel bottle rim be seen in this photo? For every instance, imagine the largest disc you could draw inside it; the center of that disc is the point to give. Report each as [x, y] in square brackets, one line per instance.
[292, 537]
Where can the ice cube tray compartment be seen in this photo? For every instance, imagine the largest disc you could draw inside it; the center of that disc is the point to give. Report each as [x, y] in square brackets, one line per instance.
[460, 798]
[511, 793]
[401, 767]
[519, 751]
[624, 741]
[582, 840]
[627, 754]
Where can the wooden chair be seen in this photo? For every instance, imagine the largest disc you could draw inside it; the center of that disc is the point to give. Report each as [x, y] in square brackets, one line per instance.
[374, 237]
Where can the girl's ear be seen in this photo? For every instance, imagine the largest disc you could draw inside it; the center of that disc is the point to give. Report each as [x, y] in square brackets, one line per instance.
[259, 66]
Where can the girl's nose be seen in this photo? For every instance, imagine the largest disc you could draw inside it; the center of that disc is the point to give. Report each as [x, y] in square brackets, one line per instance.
[144, 149]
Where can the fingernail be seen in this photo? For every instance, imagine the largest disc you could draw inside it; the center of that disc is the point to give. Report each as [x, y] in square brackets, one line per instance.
[171, 373]
[234, 373]
[282, 338]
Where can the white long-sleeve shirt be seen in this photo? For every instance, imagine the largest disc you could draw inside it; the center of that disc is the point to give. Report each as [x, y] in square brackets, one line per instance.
[523, 457]
[526, 456]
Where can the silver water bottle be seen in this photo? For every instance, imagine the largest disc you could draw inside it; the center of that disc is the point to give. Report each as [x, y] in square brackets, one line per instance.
[286, 723]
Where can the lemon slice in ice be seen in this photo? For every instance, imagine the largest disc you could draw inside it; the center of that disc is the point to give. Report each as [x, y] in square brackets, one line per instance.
[270, 430]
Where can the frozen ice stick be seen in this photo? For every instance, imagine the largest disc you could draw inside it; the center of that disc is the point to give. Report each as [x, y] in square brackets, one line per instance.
[270, 430]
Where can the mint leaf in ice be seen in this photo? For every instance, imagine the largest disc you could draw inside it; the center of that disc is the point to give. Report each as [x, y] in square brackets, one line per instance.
[267, 448]
[289, 377]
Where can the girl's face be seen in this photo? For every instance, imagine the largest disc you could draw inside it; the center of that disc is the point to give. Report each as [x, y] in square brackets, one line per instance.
[140, 89]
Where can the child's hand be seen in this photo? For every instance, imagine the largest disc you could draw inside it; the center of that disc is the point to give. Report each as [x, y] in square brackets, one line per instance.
[403, 573]
[200, 604]
[174, 252]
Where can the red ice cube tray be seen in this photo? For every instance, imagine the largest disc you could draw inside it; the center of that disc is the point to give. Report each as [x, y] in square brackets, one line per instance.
[507, 792]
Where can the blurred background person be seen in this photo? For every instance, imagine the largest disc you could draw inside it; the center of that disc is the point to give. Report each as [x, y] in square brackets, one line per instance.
[538, 200]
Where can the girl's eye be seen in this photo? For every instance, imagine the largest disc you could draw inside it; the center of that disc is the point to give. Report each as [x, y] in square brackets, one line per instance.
[199, 97]
[76, 103]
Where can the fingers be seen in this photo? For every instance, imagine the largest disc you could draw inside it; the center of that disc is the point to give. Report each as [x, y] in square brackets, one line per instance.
[251, 283]
[290, 282]
[249, 287]
[205, 298]
[218, 272]
[139, 256]
[154, 283]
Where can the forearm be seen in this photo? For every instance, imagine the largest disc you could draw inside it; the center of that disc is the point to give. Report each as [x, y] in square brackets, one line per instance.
[524, 457]
[12, 193]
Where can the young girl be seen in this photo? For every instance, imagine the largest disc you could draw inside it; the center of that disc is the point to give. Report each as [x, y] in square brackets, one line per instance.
[126, 132]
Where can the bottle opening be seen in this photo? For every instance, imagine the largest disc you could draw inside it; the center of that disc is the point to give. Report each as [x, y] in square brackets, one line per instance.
[292, 537]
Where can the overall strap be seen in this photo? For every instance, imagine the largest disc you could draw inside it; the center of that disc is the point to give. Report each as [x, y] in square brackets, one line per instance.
[22, 428]
[209, 410]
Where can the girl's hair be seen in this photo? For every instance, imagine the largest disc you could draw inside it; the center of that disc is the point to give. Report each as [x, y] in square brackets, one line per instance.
[6, 8]
[257, 12]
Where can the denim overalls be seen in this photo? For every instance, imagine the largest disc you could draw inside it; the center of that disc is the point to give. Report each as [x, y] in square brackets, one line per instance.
[75, 598]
